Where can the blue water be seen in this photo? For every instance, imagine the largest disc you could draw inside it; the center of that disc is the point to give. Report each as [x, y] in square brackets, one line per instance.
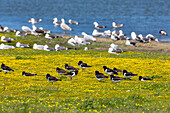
[140, 16]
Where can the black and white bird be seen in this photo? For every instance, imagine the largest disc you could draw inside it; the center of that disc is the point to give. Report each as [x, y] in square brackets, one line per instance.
[52, 79]
[19, 45]
[71, 74]
[50, 36]
[109, 71]
[100, 76]
[34, 21]
[37, 30]
[143, 78]
[56, 21]
[45, 30]
[28, 74]
[72, 22]
[83, 65]
[60, 71]
[116, 78]
[6, 39]
[130, 43]
[6, 29]
[18, 33]
[117, 70]
[128, 74]
[162, 32]
[6, 68]
[59, 48]
[70, 68]
[117, 25]
[97, 26]
[46, 48]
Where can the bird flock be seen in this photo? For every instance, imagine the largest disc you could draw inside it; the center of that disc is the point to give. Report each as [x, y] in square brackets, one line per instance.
[71, 72]
[114, 35]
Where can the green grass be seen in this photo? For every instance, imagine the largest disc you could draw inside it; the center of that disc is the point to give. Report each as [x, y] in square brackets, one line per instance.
[156, 100]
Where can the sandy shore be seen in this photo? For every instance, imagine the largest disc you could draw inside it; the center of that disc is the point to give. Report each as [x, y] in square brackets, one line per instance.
[155, 47]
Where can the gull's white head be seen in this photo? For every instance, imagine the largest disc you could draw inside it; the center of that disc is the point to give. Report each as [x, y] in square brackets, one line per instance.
[113, 24]
[18, 44]
[45, 47]
[5, 28]
[62, 20]
[83, 33]
[69, 20]
[56, 46]
[3, 37]
[95, 23]
[55, 19]
[34, 27]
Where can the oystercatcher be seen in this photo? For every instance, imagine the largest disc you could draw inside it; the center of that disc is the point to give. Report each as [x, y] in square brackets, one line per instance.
[71, 74]
[144, 79]
[52, 79]
[116, 78]
[60, 71]
[6, 68]
[109, 71]
[100, 76]
[28, 74]
[70, 68]
[83, 65]
[128, 74]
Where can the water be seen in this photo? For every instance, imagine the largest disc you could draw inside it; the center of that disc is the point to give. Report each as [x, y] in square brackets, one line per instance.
[142, 17]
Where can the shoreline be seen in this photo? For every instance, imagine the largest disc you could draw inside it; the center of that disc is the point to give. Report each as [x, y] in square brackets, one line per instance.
[100, 44]
[157, 47]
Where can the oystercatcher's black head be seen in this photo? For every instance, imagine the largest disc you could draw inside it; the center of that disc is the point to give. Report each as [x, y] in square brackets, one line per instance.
[114, 68]
[66, 65]
[23, 72]
[80, 62]
[2, 65]
[96, 72]
[48, 75]
[140, 77]
[104, 67]
[76, 72]
[124, 71]
[57, 68]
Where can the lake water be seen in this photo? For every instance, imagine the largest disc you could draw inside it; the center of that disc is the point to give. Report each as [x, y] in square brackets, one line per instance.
[140, 16]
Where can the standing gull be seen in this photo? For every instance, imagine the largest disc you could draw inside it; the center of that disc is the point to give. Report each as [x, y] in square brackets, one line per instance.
[64, 26]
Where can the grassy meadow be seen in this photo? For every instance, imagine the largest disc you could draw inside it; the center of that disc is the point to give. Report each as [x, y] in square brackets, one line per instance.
[20, 94]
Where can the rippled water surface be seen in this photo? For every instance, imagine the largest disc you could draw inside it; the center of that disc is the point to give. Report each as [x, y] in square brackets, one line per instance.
[140, 16]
